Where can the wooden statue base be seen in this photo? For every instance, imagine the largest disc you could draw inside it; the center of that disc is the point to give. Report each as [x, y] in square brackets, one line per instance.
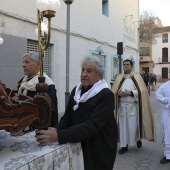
[24, 115]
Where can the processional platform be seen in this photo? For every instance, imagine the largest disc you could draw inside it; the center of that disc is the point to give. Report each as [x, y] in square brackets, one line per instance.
[24, 115]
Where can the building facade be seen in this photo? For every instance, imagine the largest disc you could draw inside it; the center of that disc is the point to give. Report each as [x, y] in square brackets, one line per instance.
[146, 61]
[161, 55]
[146, 55]
[95, 29]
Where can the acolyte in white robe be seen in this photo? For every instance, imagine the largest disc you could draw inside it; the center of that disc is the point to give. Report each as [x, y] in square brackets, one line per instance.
[128, 115]
[163, 97]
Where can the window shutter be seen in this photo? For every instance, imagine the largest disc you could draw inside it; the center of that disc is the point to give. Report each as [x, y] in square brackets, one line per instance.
[165, 54]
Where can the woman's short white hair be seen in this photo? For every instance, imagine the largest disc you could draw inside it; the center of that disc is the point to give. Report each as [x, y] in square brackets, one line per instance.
[96, 60]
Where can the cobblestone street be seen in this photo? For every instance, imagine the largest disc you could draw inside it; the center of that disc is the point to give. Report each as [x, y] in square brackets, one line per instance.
[147, 157]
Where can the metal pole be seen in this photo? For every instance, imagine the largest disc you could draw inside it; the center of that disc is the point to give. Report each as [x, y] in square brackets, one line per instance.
[67, 93]
[120, 64]
[111, 83]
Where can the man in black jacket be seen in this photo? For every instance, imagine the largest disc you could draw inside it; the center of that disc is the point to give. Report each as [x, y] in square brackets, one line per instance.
[88, 119]
[27, 85]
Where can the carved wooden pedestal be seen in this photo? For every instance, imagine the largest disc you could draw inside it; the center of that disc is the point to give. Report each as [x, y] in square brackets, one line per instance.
[26, 114]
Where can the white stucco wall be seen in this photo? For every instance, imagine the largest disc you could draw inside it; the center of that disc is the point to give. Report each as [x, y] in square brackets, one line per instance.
[89, 29]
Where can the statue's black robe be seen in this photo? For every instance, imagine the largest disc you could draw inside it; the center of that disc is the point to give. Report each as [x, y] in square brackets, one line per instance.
[93, 124]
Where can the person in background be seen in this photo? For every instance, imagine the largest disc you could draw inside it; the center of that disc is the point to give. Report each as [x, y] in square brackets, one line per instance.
[132, 109]
[155, 78]
[163, 97]
[152, 79]
[145, 78]
[88, 119]
[27, 85]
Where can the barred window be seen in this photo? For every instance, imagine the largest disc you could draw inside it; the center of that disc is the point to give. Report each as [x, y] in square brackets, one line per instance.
[33, 46]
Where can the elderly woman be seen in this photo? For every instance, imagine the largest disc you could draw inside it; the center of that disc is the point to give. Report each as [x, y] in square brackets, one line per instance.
[88, 119]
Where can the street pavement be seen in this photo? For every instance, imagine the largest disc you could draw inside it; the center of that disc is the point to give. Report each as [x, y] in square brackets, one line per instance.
[148, 157]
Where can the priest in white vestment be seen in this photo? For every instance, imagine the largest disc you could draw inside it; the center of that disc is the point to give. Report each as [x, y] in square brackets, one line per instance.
[163, 97]
[133, 112]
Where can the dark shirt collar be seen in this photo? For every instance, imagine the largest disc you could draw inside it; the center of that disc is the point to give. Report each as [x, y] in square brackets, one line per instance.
[83, 90]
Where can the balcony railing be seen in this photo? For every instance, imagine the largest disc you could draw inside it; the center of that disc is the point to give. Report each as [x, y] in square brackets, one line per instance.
[163, 60]
[145, 59]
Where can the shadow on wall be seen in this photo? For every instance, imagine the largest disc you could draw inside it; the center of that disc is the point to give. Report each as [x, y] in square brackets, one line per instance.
[11, 52]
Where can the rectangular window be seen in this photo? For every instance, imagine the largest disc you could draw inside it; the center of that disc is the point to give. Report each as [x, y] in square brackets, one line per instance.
[33, 46]
[164, 38]
[146, 69]
[164, 54]
[105, 7]
[144, 51]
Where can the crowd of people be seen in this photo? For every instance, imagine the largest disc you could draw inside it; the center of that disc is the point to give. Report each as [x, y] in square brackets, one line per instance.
[98, 117]
[149, 79]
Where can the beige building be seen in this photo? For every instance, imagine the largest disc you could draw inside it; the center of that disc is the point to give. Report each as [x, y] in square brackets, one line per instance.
[147, 63]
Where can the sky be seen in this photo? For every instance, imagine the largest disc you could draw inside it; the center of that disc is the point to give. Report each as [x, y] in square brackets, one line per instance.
[159, 8]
